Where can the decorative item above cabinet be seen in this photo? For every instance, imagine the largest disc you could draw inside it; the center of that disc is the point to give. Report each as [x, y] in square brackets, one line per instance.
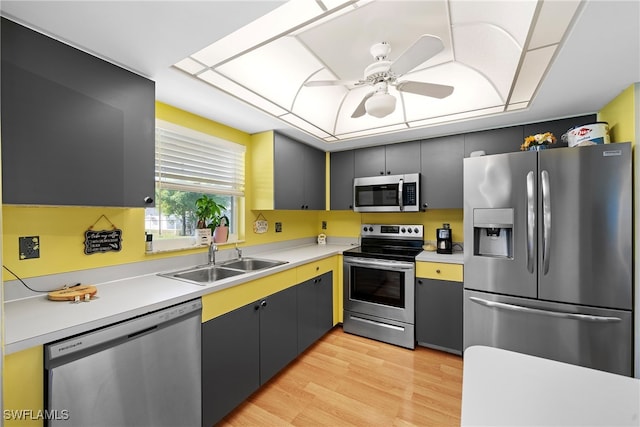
[76, 130]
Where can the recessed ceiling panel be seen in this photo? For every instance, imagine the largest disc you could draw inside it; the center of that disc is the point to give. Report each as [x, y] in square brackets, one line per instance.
[343, 43]
[513, 17]
[472, 92]
[314, 63]
[490, 51]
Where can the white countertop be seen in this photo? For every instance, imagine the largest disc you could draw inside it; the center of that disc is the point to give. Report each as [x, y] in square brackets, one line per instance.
[504, 388]
[37, 320]
[457, 257]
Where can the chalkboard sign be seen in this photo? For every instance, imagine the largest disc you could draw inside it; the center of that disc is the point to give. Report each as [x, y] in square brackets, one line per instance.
[102, 241]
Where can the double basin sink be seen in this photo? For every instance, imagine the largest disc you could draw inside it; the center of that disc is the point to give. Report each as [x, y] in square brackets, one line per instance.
[207, 274]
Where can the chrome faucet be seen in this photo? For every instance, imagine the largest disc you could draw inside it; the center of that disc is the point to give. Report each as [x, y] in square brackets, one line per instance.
[238, 251]
[212, 254]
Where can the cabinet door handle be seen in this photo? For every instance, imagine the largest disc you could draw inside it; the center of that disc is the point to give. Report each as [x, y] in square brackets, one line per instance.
[438, 271]
[263, 303]
[419, 282]
[148, 200]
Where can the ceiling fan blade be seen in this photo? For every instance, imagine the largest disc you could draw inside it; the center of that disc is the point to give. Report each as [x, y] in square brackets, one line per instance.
[427, 89]
[360, 110]
[424, 48]
[331, 83]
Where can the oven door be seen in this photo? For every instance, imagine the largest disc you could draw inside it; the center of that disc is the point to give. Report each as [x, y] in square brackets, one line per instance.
[381, 288]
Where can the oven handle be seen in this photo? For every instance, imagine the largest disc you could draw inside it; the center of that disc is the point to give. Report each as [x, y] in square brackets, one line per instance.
[380, 263]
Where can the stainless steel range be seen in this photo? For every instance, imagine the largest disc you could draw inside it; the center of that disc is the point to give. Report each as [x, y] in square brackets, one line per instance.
[379, 280]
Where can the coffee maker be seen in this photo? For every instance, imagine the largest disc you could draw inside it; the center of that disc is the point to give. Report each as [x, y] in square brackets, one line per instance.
[444, 244]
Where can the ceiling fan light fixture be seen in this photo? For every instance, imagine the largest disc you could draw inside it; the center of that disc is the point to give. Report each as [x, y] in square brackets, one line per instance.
[380, 105]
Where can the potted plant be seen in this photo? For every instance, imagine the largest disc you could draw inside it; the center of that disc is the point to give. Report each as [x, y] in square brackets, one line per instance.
[209, 214]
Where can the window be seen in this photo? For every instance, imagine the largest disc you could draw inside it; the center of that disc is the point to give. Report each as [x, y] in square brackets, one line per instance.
[188, 165]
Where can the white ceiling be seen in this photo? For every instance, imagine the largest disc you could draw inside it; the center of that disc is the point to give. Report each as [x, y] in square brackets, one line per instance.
[599, 59]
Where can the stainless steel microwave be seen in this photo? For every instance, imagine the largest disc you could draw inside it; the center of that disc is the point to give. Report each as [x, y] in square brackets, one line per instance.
[387, 193]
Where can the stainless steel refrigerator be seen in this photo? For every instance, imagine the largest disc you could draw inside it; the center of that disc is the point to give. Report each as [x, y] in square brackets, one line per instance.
[548, 254]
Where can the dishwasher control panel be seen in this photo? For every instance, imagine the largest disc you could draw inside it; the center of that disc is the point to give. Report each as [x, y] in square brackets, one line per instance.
[127, 329]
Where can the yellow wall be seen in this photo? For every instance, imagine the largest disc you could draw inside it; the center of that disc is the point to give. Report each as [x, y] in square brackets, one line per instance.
[347, 223]
[23, 387]
[621, 116]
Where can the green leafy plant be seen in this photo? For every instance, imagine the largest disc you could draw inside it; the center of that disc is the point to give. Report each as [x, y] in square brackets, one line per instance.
[209, 212]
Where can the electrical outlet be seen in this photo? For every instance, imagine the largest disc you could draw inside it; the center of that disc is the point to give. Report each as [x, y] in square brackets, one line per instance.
[29, 247]
[278, 227]
[324, 225]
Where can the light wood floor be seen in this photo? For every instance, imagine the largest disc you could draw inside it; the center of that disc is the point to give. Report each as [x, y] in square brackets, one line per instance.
[348, 380]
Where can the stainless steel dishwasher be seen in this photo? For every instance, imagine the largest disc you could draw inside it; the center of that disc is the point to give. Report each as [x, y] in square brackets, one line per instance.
[141, 372]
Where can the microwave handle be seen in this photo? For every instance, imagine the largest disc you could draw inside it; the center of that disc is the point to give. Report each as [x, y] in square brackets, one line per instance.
[400, 198]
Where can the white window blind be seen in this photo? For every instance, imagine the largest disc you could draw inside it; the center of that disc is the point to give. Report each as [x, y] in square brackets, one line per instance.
[187, 160]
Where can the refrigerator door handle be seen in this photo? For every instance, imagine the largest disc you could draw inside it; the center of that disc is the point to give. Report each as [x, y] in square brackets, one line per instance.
[559, 314]
[546, 221]
[531, 220]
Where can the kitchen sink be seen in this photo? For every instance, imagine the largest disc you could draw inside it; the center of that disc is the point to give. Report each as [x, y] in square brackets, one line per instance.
[252, 264]
[205, 274]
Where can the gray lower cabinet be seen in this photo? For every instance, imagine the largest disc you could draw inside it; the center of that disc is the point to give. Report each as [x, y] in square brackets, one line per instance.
[441, 170]
[315, 309]
[299, 175]
[342, 174]
[278, 332]
[230, 362]
[439, 314]
[243, 349]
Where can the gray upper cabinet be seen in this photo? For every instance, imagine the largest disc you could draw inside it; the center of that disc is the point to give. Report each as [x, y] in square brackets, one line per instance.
[508, 140]
[558, 127]
[342, 174]
[390, 159]
[441, 172]
[402, 158]
[299, 175]
[494, 141]
[369, 162]
[76, 130]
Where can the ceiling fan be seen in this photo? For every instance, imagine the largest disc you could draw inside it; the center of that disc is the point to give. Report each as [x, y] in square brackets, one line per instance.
[382, 73]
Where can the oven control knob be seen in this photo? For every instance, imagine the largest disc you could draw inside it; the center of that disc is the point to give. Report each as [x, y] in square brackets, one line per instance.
[371, 229]
[410, 230]
[364, 229]
[402, 230]
[416, 230]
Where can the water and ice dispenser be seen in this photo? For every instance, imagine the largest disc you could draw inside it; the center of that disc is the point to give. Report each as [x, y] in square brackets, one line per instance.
[493, 232]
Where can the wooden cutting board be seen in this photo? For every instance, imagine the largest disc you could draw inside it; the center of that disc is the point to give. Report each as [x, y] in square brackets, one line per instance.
[70, 294]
